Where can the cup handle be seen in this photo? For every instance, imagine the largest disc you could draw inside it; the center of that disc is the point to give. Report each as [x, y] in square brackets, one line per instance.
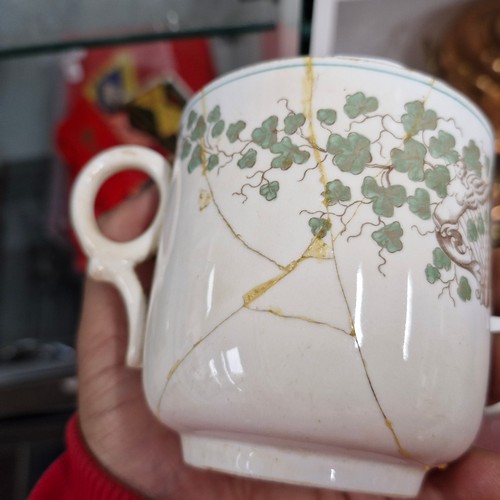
[109, 260]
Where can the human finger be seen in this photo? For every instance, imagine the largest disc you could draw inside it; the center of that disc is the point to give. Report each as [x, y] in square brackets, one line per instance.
[476, 475]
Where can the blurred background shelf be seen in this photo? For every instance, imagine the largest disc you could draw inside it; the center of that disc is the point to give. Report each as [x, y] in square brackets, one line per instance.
[45, 49]
[28, 27]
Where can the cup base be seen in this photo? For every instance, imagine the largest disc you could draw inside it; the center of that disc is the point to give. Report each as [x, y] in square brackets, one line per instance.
[338, 469]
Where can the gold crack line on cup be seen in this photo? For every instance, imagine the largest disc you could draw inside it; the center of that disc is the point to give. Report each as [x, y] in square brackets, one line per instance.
[234, 233]
[204, 164]
[308, 95]
[278, 313]
[313, 251]
[179, 362]
[402, 451]
[263, 288]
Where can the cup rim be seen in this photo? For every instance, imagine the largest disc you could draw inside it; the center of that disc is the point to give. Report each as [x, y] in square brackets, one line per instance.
[380, 65]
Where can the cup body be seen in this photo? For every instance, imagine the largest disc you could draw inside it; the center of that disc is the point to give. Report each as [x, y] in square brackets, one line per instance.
[320, 306]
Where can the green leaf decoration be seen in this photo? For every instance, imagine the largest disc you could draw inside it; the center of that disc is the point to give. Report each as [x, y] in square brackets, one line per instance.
[472, 233]
[471, 156]
[417, 118]
[199, 130]
[234, 130]
[218, 128]
[481, 228]
[213, 161]
[319, 227]
[336, 192]
[214, 115]
[266, 135]
[389, 237]
[359, 104]
[432, 274]
[293, 122]
[350, 154]
[438, 180]
[289, 154]
[487, 164]
[442, 147]
[185, 149]
[440, 259]
[464, 290]
[420, 203]
[270, 190]
[486, 217]
[410, 159]
[192, 118]
[248, 159]
[196, 159]
[327, 116]
[384, 199]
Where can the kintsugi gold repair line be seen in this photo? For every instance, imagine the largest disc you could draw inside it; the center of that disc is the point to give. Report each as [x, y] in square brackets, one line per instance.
[179, 362]
[308, 109]
[279, 314]
[248, 298]
[402, 451]
[213, 199]
[308, 96]
[313, 250]
[262, 288]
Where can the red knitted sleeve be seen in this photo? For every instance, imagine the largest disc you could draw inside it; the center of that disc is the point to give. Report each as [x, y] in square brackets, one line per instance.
[77, 475]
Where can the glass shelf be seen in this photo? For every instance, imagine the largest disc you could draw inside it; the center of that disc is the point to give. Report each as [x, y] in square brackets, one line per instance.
[28, 27]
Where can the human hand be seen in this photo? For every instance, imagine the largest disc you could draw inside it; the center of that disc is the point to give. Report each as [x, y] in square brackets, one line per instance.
[138, 450]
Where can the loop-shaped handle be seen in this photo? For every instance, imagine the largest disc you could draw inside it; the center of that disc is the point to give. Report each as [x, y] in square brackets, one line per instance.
[109, 260]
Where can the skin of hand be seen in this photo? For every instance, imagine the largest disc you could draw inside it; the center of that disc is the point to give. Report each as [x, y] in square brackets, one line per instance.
[131, 444]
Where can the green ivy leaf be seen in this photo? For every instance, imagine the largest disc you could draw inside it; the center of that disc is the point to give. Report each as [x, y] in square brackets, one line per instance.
[218, 128]
[319, 227]
[417, 118]
[270, 190]
[471, 156]
[327, 116]
[293, 122]
[214, 115]
[213, 161]
[410, 159]
[464, 290]
[384, 199]
[440, 259]
[358, 104]
[481, 228]
[438, 179]
[472, 233]
[389, 237]
[420, 203]
[185, 149]
[289, 154]
[266, 135]
[192, 118]
[195, 160]
[350, 154]
[336, 192]
[199, 129]
[442, 147]
[432, 274]
[248, 159]
[234, 130]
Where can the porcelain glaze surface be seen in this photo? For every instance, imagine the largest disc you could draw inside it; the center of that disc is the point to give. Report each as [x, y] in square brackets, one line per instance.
[321, 298]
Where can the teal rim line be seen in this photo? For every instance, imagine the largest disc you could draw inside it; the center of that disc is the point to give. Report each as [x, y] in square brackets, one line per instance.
[452, 94]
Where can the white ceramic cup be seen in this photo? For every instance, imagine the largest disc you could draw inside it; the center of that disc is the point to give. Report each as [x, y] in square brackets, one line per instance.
[320, 306]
